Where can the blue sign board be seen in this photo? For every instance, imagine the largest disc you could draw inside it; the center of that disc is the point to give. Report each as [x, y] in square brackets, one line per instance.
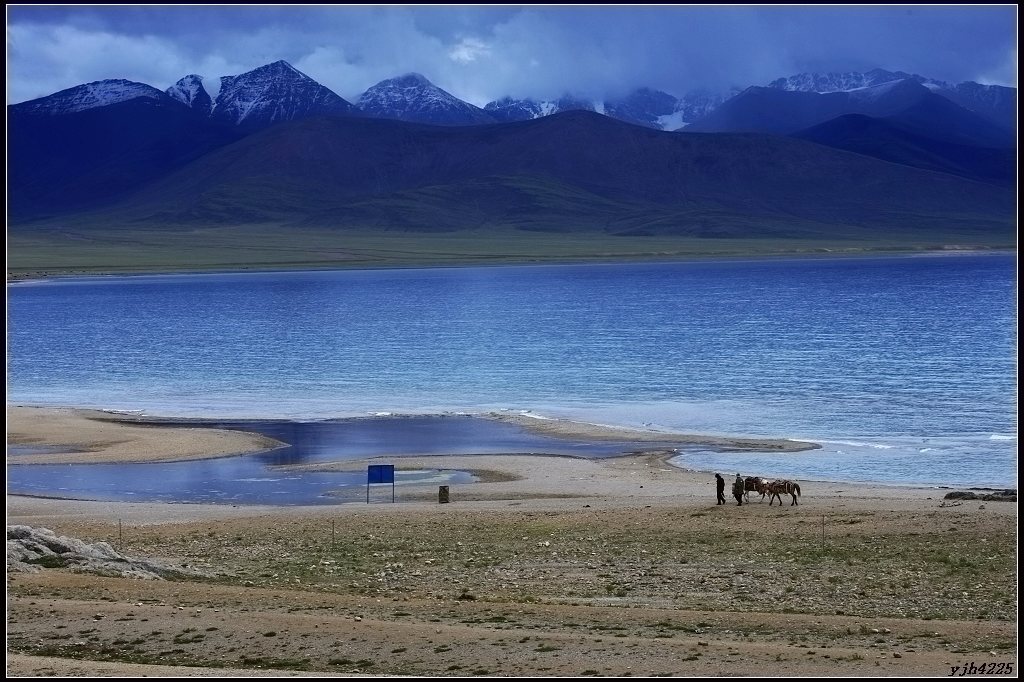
[380, 473]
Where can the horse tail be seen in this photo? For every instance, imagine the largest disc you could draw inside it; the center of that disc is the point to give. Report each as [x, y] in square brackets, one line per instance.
[797, 486]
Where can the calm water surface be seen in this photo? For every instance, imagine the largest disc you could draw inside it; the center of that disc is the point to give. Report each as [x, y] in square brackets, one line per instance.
[904, 367]
[256, 478]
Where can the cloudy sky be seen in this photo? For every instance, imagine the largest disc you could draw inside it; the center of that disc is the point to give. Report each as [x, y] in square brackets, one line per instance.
[485, 52]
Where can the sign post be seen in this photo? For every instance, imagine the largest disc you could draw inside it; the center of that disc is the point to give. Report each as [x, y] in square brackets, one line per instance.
[380, 473]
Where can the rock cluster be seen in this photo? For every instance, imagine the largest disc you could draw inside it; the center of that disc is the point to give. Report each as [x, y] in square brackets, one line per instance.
[996, 496]
[32, 549]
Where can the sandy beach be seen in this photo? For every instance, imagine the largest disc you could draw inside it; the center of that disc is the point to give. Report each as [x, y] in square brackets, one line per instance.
[98, 437]
[548, 566]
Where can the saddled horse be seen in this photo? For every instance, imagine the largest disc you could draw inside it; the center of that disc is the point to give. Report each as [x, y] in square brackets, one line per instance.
[755, 484]
[778, 488]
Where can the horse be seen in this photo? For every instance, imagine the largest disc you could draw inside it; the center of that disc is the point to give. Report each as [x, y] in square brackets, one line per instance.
[778, 488]
[756, 484]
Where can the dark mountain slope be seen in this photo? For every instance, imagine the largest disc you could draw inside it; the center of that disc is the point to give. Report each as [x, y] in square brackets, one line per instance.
[898, 142]
[89, 158]
[599, 174]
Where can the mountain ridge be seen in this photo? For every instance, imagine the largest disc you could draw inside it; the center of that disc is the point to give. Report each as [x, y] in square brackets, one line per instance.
[412, 97]
[574, 171]
[783, 112]
[253, 105]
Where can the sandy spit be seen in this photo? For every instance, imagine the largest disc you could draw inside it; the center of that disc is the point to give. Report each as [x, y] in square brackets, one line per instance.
[97, 437]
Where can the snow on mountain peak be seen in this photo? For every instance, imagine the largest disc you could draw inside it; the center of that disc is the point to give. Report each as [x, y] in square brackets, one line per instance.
[411, 97]
[845, 82]
[272, 93]
[874, 92]
[643, 106]
[509, 109]
[90, 96]
[189, 90]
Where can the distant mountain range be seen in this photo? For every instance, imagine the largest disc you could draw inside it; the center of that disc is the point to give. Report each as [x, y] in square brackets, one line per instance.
[643, 106]
[773, 110]
[280, 92]
[810, 156]
[995, 103]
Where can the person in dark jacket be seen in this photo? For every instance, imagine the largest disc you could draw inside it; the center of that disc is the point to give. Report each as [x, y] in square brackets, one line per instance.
[720, 483]
[737, 490]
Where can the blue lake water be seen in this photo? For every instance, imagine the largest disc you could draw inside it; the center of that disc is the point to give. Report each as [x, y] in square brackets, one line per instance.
[905, 367]
[255, 478]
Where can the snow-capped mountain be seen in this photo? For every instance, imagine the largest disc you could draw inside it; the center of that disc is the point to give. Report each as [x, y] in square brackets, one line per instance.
[995, 103]
[190, 92]
[696, 104]
[914, 106]
[509, 109]
[279, 92]
[643, 106]
[414, 98]
[842, 82]
[89, 96]
[271, 94]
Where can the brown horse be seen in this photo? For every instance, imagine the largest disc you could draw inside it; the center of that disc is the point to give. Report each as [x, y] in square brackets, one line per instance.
[776, 489]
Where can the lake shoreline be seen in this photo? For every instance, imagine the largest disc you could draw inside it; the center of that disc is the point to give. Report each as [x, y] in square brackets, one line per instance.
[56, 274]
[118, 437]
[124, 437]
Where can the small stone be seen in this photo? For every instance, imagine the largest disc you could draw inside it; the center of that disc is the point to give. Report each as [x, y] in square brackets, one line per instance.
[897, 655]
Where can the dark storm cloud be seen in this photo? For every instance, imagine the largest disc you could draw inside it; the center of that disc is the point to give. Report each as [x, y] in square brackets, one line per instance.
[481, 53]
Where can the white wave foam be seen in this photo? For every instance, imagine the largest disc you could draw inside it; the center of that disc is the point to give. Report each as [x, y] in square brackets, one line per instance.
[527, 413]
[999, 436]
[857, 444]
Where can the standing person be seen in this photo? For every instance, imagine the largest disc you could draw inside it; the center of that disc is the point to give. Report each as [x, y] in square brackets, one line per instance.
[737, 490]
[720, 483]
